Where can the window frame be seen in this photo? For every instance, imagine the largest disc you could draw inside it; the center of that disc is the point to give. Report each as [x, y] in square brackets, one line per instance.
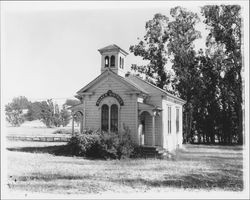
[177, 119]
[112, 61]
[113, 118]
[102, 118]
[169, 119]
[109, 101]
[106, 58]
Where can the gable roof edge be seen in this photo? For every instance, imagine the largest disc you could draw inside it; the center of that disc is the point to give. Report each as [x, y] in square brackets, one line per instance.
[109, 71]
[161, 90]
[90, 83]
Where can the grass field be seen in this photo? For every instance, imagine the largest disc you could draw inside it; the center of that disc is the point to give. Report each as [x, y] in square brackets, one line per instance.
[32, 167]
[35, 128]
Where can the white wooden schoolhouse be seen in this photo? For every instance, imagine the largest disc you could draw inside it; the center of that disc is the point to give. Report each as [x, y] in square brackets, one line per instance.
[115, 100]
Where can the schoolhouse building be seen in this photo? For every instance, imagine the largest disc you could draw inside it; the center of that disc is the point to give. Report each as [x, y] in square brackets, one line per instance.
[115, 100]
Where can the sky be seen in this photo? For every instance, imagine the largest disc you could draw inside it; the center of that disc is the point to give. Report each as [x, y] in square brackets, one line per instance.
[50, 49]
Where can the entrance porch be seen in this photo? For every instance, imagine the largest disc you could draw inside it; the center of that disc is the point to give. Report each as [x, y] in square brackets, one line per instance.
[148, 116]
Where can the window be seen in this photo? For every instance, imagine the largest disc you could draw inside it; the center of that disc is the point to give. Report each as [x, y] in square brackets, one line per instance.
[106, 61]
[105, 117]
[120, 62]
[177, 120]
[112, 61]
[114, 118]
[169, 120]
[109, 118]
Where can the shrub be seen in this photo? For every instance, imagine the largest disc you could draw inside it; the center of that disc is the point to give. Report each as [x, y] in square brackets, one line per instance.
[107, 146]
[102, 145]
[14, 114]
[81, 144]
[137, 152]
[126, 145]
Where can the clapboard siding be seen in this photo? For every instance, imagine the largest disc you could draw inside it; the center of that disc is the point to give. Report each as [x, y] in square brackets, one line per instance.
[158, 130]
[171, 141]
[127, 111]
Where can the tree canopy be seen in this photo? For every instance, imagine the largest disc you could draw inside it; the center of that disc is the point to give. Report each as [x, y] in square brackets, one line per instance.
[210, 81]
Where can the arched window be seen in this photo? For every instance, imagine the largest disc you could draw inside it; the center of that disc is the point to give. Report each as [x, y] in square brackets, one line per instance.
[105, 117]
[112, 61]
[106, 61]
[114, 118]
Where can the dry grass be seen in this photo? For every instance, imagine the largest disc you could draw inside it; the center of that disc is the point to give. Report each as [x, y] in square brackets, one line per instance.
[32, 167]
[35, 128]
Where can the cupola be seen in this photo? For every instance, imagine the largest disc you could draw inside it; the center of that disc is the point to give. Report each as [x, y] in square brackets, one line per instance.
[113, 58]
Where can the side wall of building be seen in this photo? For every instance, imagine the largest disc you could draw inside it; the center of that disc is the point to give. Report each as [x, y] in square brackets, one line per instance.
[171, 139]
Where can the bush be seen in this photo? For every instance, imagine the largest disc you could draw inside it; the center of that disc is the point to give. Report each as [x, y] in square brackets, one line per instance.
[126, 145]
[137, 152]
[102, 145]
[14, 114]
[81, 144]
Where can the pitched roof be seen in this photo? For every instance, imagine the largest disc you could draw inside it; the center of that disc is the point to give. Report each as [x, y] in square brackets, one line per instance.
[110, 72]
[144, 85]
[134, 82]
[112, 47]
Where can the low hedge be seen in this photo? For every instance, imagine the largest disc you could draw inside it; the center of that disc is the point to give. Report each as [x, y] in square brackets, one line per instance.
[102, 145]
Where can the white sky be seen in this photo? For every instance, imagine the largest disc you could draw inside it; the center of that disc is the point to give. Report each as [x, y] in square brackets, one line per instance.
[49, 49]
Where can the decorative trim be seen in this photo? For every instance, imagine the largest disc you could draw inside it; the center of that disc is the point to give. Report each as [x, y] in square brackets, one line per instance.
[109, 94]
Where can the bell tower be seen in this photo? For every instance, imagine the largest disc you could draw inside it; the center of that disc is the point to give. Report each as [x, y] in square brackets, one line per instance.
[113, 58]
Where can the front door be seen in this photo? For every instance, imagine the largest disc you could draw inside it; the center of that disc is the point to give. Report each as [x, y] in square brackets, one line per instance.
[146, 129]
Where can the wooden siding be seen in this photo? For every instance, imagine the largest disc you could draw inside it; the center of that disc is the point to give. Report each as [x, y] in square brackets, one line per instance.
[156, 99]
[158, 129]
[127, 111]
[171, 141]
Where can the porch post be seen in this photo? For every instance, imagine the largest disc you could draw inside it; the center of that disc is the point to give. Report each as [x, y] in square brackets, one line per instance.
[81, 124]
[153, 129]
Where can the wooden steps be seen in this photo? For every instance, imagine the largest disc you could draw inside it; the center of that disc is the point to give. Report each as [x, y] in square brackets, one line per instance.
[155, 152]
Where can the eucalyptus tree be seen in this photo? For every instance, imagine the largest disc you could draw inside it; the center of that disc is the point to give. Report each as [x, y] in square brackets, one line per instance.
[224, 24]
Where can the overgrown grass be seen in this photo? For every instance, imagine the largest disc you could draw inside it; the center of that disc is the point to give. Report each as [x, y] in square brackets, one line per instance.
[37, 169]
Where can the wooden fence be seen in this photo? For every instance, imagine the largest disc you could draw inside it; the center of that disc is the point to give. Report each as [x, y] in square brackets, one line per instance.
[39, 138]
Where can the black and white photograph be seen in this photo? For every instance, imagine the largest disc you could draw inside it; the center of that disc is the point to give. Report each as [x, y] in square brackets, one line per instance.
[124, 99]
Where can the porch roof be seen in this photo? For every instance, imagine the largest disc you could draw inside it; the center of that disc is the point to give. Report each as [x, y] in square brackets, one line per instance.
[76, 108]
[144, 106]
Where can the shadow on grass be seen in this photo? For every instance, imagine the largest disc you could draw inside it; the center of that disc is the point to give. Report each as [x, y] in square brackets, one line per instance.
[48, 177]
[59, 150]
[207, 181]
[191, 181]
[215, 146]
[56, 150]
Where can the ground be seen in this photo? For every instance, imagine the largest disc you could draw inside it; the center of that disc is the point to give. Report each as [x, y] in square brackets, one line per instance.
[32, 168]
